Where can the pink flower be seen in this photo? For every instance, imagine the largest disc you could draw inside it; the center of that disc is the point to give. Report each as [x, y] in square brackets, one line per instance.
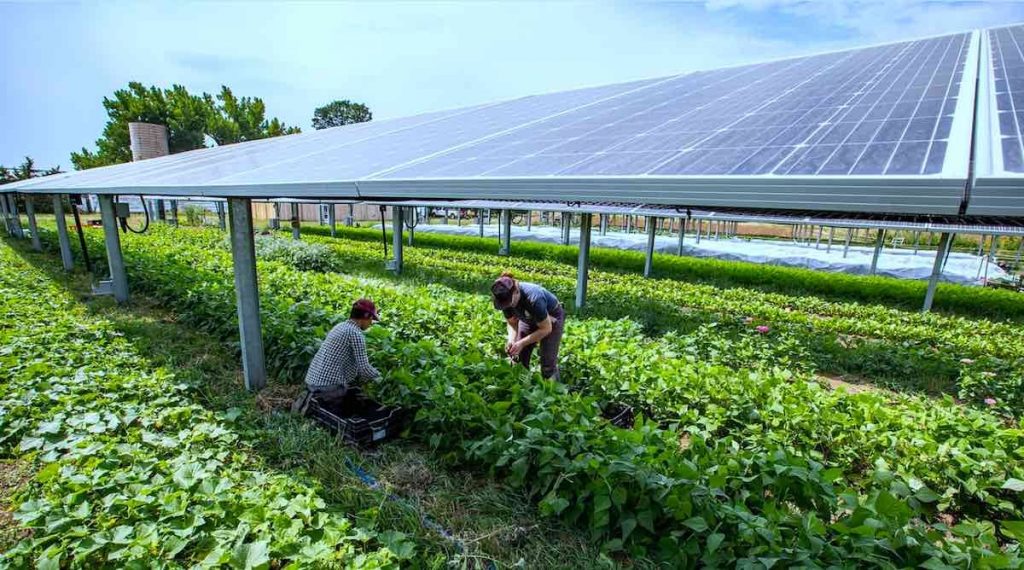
[990, 401]
[763, 329]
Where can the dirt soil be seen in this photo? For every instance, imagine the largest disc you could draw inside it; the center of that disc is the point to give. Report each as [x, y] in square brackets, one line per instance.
[13, 476]
[852, 384]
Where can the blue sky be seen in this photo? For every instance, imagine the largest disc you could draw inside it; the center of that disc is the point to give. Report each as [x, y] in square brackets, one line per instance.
[58, 61]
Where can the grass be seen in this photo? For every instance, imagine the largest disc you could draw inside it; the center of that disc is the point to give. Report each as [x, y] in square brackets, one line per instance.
[492, 522]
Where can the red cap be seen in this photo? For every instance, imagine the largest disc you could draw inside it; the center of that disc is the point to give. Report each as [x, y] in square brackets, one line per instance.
[367, 307]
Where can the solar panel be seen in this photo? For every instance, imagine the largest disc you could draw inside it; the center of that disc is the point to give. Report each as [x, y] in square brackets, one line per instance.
[878, 129]
[1008, 72]
[998, 188]
[874, 111]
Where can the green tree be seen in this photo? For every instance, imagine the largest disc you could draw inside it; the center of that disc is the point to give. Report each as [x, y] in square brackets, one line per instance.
[24, 171]
[241, 119]
[338, 113]
[189, 119]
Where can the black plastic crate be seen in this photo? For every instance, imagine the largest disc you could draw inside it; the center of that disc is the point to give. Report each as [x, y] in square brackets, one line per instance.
[361, 421]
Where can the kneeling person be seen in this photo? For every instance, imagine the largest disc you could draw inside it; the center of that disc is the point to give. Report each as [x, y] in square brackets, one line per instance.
[341, 362]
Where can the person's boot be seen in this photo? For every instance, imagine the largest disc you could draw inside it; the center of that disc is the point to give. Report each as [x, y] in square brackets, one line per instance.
[301, 404]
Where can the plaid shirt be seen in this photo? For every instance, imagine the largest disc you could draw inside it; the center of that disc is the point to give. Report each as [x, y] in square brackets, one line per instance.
[341, 359]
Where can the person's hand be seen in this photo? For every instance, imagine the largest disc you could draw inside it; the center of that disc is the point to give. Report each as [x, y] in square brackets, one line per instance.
[515, 348]
[508, 345]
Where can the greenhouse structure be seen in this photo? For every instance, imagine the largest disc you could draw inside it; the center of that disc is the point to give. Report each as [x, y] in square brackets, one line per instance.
[922, 135]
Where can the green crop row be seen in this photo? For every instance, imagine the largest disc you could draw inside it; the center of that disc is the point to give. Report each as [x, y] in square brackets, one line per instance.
[130, 472]
[900, 349]
[663, 376]
[790, 281]
[697, 492]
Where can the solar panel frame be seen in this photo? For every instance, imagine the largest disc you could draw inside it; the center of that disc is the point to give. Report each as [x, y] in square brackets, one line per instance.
[996, 189]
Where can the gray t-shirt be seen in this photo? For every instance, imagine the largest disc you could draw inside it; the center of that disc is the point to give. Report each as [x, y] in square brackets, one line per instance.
[535, 303]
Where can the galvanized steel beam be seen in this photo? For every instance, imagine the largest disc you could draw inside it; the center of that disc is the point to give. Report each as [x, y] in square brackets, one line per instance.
[396, 240]
[12, 210]
[243, 255]
[878, 251]
[652, 227]
[505, 247]
[30, 210]
[682, 236]
[583, 264]
[62, 232]
[112, 240]
[940, 259]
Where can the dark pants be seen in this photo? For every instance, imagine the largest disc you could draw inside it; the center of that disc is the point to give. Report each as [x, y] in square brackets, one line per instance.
[329, 395]
[548, 345]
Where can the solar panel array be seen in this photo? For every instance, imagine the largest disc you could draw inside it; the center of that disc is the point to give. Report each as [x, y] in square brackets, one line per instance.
[879, 129]
[1007, 54]
[875, 111]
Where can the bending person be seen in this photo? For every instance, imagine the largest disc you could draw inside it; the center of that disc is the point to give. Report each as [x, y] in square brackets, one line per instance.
[534, 316]
[341, 362]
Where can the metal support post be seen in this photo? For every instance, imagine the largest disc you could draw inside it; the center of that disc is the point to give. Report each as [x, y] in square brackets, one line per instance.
[247, 293]
[652, 226]
[878, 251]
[480, 220]
[846, 247]
[112, 240]
[629, 224]
[506, 233]
[981, 245]
[817, 242]
[566, 225]
[991, 257]
[604, 224]
[62, 232]
[831, 234]
[5, 214]
[583, 265]
[700, 228]
[161, 211]
[350, 220]
[296, 224]
[396, 240]
[174, 213]
[446, 216]
[940, 260]
[221, 216]
[30, 210]
[529, 221]
[412, 225]
[12, 209]
[332, 218]
[682, 236]
[917, 241]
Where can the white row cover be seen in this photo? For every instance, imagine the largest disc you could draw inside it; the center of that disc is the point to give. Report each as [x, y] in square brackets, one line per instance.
[882, 129]
[962, 268]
